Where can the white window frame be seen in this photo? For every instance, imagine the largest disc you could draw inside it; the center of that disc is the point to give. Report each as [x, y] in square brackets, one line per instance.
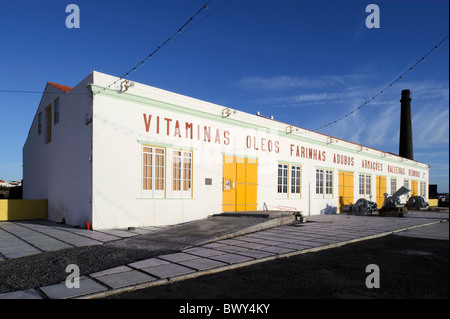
[365, 185]
[406, 183]
[319, 181]
[423, 189]
[324, 182]
[153, 174]
[393, 185]
[368, 185]
[328, 183]
[362, 184]
[296, 181]
[182, 174]
[283, 180]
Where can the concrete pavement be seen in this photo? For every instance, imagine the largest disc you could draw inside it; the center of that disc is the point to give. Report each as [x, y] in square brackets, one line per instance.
[25, 238]
[204, 255]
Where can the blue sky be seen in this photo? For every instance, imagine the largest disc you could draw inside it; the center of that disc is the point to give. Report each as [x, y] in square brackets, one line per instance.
[306, 63]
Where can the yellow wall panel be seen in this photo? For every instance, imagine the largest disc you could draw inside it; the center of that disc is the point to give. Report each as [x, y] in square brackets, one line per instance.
[414, 188]
[346, 189]
[20, 209]
[381, 189]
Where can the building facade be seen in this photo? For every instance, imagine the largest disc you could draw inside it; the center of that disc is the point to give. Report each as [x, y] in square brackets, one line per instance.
[126, 154]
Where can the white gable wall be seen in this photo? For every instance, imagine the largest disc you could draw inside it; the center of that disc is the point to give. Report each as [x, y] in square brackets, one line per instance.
[60, 170]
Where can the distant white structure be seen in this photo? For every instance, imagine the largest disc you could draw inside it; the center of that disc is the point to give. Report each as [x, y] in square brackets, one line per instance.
[10, 184]
[135, 155]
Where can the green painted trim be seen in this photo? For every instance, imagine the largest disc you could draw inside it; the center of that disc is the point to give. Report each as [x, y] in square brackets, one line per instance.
[172, 107]
[346, 171]
[326, 168]
[238, 155]
[218, 118]
[290, 163]
[150, 143]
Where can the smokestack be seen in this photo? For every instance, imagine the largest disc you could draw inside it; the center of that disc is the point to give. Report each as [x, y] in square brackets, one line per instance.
[406, 143]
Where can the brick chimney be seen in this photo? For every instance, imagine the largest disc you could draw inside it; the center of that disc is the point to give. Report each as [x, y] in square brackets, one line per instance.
[406, 143]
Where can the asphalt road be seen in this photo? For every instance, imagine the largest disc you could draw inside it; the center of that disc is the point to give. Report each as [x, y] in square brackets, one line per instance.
[412, 265]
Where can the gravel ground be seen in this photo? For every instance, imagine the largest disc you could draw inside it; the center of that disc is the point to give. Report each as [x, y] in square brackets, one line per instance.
[50, 267]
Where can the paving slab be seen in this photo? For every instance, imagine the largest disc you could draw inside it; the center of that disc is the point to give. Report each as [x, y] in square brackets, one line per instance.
[168, 270]
[177, 257]
[111, 271]
[277, 249]
[22, 294]
[214, 245]
[202, 263]
[60, 291]
[231, 248]
[231, 258]
[294, 246]
[124, 278]
[149, 263]
[204, 252]
[255, 254]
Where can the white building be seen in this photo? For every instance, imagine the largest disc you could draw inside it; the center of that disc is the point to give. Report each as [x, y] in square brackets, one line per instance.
[129, 154]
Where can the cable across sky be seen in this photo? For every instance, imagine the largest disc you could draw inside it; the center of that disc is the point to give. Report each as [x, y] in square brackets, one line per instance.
[170, 39]
[386, 88]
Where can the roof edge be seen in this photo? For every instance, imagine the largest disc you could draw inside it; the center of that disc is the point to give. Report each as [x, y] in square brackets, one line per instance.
[61, 87]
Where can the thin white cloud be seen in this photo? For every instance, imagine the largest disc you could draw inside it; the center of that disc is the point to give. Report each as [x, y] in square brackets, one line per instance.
[284, 82]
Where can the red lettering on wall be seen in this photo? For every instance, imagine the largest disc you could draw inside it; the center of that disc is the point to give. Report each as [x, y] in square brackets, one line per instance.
[261, 144]
[157, 124]
[147, 121]
[177, 129]
[308, 153]
[189, 129]
[168, 124]
[217, 139]
[207, 131]
[226, 138]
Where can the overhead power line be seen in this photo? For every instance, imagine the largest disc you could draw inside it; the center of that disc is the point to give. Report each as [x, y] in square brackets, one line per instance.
[386, 88]
[170, 39]
[37, 92]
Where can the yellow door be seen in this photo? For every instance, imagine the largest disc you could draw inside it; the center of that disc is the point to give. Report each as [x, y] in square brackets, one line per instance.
[239, 184]
[251, 183]
[229, 184]
[381, 189]
[414, 188]
[345, 189]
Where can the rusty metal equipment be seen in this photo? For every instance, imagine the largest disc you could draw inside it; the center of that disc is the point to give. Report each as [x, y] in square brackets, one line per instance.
[361, 207]
[392, 206]
[417, 203]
